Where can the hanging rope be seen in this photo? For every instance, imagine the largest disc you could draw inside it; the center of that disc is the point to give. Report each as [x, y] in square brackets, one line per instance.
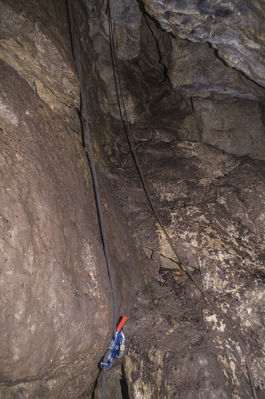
[116, 346]
[92, 165]
[124, 119]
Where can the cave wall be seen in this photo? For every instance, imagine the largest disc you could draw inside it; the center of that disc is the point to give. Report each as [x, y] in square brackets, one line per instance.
[234, 29]
[56, 303]
[198, 128]
[177, 87]
[195, 109]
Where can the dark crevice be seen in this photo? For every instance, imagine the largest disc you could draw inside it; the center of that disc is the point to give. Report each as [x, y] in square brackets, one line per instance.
[157, 24]
[147, 17]
[95, 387]
[196, 120]
[165, 69]
[124, 385]
[79, 113]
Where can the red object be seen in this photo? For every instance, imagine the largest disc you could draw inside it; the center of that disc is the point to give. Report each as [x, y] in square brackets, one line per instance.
[121, 323]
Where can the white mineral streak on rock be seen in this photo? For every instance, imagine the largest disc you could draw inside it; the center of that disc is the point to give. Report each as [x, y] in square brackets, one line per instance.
[8, 115]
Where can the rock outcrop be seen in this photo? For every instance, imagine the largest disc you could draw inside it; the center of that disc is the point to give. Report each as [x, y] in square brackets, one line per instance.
[202, 194]
[212, 206]
[235, 29]
[56, 306]
[191, 76]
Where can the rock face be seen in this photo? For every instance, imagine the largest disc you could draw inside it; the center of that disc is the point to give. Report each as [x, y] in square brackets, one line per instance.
[32, 40]
[181, 119]
[175, 85]
[192, 78]
[194, 69]
[212, 206]
[56, 306]
[52, 266]
[233, 125]
[235, 29]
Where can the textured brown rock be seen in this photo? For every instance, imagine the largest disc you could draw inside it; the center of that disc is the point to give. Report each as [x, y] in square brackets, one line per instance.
[190, 113]
[235, 29]
[233, 125]
[35, 42]
[189, 350]
[162, 71]
[56, 304]
[195, 69]
[213, 209]
[145, 87]
[54, 285]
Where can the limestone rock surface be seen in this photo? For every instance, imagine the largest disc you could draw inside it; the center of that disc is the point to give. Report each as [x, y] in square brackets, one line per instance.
[56, 303]
[212, 205]
[192, 77]
[234, 28]
[54, 286]
[175, 85]
[195, 69]
[233, 125]
[35, 42]
[209, 201]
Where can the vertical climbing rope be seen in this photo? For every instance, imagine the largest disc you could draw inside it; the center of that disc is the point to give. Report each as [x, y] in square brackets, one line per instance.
[124, 119]
[95, 181]
[94, 178]
[92, 165]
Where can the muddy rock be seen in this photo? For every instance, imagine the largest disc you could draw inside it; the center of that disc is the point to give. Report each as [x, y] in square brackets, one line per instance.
[53, 277]
[56, 303]
[33, 43]
[203, 198]
[190, 80]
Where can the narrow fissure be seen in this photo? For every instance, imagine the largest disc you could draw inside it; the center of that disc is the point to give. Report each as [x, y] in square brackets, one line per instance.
[124, 385]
